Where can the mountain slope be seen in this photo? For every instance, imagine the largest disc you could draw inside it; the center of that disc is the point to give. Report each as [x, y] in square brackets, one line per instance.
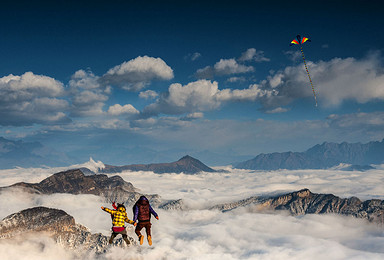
[187, 164]
[319, 157]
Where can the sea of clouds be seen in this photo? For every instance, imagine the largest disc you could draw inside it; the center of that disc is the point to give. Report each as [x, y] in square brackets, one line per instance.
[199, 233]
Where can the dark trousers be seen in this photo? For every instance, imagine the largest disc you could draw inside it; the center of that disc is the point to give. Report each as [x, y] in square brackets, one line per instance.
[123, 233]
[145, 224]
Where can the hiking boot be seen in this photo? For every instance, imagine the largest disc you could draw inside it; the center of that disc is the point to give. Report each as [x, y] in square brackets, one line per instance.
[149, 240]
[141, 239]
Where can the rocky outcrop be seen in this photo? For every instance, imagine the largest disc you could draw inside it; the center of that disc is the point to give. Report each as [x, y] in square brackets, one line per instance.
[187, 165]
[173, 205]
[75, 182]
[305, 202]
[56, 224]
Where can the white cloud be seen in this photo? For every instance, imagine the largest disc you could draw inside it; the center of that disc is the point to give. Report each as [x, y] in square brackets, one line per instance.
[236, 79]
[230, 66]
[210, 234]
[202, 95]
[135, 74]
[293, 55]
[29, 85]
[223, 67]
[192, 116]
[252, 93]
[84, 80]
[88, 103]
[335, 81]
[117, 110]
[148, 94]
[369, 125]
[195, 56]
[195, 96]
[253, 55]
[192, 56]
[88, 96]
[277, 110]
[31, 98]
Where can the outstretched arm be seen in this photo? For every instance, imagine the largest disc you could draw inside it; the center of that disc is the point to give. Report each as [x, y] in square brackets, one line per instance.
[130, 221]
[107, 210]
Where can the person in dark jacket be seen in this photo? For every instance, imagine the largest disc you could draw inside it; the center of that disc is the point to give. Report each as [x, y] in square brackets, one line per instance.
[142, 211]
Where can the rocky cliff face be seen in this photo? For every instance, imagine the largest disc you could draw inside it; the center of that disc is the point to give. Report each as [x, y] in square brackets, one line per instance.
[75, 182]
[187, 164]
[305, 202]
[58, 225]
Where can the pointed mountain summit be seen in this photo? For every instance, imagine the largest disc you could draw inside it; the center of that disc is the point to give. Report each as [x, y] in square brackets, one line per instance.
[186, 164]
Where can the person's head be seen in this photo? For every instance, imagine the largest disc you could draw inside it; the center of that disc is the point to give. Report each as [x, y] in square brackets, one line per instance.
[143, 198]
[121, 207]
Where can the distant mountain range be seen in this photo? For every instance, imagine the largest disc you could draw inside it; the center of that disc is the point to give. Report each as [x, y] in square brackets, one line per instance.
[356, 156]
[319, 156]
[187, 164]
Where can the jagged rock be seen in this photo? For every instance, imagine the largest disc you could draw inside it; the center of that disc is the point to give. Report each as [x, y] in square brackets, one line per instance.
[58, 225]
[187, 164]
[75, 182]
[305, 202]
[173, 205]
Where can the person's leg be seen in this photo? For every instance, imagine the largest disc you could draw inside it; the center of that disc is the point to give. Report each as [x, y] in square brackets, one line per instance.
[148, 231]
[138, 233]
[138, 228]
[148, 228]
[125, 238]
[112, 237]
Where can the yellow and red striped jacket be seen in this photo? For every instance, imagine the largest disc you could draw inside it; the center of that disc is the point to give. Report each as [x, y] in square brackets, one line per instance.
[118, 217]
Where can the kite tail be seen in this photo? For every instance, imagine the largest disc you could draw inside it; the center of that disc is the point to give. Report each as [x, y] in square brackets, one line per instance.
[309, 76]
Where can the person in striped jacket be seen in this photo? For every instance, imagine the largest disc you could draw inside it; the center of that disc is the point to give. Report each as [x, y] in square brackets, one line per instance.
[119, 217]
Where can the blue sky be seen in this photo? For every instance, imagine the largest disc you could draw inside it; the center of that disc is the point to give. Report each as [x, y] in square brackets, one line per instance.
[139, 82]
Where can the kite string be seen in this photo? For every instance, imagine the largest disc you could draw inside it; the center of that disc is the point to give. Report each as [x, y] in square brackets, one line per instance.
[309, 76]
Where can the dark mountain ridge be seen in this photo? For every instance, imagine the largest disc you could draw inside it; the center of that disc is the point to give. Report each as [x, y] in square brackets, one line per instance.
[75, 182]
[187, 165]
[319, 156]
